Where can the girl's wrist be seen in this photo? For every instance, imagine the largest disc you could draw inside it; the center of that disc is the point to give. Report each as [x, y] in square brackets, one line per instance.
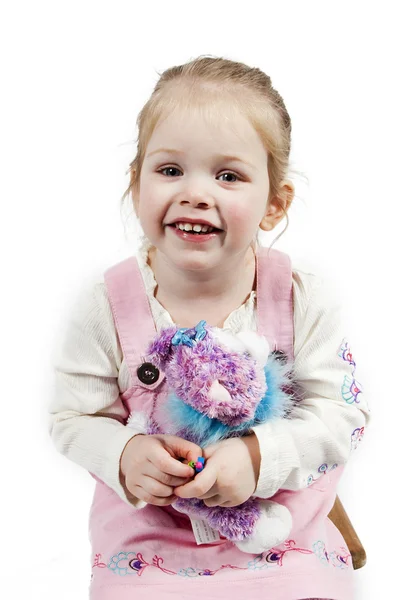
[124, 460]
[253, 448]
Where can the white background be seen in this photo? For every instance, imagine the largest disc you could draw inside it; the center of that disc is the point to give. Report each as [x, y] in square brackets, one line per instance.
[74, 76]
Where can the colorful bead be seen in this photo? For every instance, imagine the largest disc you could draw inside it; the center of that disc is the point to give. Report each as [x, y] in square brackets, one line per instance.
[198, 466]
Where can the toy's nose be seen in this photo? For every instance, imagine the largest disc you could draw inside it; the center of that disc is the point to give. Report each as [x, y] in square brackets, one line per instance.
[219, 394]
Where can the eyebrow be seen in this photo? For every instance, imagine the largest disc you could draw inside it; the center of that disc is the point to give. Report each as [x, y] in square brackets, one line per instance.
[227, 157]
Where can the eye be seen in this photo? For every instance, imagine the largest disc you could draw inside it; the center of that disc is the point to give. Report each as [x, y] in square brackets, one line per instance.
[169, 169]
[230, 174]
[174, 172]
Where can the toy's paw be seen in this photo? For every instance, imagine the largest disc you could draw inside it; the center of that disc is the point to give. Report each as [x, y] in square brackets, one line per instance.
[273, 527]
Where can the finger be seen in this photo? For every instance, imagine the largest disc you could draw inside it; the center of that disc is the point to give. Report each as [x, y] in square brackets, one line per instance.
[141, 493]
[230, 504]
[214, 501]
[164, 462]
[199, 486]
[155, 488]
[151, 471]
[211, 492]
[181, 448]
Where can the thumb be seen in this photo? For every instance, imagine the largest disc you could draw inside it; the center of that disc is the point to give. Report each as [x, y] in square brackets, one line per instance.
[181, 448]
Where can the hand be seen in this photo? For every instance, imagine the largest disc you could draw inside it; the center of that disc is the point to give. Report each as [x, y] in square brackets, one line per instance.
[150, 469]
[230, 476]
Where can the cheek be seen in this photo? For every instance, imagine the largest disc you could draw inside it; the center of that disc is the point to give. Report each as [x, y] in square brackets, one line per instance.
[244, 216]
[150, 206]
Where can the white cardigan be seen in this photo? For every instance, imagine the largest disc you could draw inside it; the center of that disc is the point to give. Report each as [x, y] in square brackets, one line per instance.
[90, 373]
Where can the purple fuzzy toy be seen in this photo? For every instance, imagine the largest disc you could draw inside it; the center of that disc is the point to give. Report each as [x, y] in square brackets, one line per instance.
[222, 385]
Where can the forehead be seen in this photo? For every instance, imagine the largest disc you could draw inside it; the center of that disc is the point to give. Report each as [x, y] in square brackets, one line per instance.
[216, 124]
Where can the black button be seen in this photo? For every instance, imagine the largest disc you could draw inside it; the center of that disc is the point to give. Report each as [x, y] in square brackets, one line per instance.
[148, 373]
[279, 355]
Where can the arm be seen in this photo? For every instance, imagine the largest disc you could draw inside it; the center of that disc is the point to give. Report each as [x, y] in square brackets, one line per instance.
[319, 430]
[86, 413]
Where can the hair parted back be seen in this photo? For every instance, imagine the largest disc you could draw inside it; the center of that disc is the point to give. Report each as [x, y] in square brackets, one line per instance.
[218, 86]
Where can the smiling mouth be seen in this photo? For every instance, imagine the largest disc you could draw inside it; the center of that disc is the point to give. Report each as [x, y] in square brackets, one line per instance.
[195, 228]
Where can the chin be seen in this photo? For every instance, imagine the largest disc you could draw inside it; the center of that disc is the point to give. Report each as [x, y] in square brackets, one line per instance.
[191, 262]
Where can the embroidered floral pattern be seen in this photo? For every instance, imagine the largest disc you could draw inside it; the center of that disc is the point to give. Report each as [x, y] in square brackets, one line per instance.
[346, 355]
[351, 388]
[190, 572]
[356, 437]
[322, 469]
[131, 563]
[340, 559]
[98, 563]
[260, 562]
[277, 556]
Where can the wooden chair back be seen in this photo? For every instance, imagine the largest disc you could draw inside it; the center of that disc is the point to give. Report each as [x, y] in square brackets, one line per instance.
[339, 518]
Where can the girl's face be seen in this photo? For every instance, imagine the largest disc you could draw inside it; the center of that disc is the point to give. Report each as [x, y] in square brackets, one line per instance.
[203, 189]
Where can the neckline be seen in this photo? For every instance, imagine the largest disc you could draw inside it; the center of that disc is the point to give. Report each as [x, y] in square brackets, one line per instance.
[151, 284]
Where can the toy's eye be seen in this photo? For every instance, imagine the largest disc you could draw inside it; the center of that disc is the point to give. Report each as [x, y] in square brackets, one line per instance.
[279, 355]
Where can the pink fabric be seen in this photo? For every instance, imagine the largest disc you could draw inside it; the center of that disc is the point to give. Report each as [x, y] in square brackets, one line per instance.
[275, 311]
[151, 553]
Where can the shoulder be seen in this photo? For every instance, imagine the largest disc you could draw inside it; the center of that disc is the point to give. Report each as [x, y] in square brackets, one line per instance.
[88, 329]
[317, 311]
[316, 302]
[92, 304]
[314, 293]
[311, 290]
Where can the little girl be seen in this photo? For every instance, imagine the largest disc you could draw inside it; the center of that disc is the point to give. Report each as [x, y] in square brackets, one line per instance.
[210, 170]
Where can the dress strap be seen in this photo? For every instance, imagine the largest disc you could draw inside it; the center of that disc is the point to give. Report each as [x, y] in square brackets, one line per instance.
[135, 326]
[131, 310]
[275, 299]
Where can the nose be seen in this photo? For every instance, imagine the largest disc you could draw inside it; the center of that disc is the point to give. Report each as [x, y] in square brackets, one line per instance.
[197, 199]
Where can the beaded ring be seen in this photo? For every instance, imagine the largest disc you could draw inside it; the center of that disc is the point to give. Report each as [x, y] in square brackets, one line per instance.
[198, 466]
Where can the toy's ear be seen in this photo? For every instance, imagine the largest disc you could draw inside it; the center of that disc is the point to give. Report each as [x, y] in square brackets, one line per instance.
[231, 341]
[160, 348]
[218, 395]
[256, 345]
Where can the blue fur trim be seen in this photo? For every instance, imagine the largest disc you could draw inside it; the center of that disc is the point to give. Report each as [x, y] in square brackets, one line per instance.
[204, 431]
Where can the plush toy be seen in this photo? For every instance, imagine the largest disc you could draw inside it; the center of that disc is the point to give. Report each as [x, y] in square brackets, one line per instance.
[221, 385]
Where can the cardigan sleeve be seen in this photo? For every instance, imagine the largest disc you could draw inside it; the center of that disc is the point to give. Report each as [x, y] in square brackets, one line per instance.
[86, 412]
[327, 424]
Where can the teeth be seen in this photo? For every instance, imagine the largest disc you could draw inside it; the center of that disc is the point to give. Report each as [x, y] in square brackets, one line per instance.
[196, 227]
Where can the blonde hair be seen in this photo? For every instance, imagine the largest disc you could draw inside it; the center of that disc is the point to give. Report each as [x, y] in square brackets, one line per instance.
[206, 84]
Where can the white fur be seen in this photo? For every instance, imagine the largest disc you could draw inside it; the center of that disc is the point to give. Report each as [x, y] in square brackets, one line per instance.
[229, 340]
[138, 422]
[256, 345]
[245, 341]
[273, 528]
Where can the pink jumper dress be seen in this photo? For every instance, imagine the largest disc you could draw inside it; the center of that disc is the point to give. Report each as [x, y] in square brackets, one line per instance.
[151, 553]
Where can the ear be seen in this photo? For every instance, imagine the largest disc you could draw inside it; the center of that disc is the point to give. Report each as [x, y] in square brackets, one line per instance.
[277, 206]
